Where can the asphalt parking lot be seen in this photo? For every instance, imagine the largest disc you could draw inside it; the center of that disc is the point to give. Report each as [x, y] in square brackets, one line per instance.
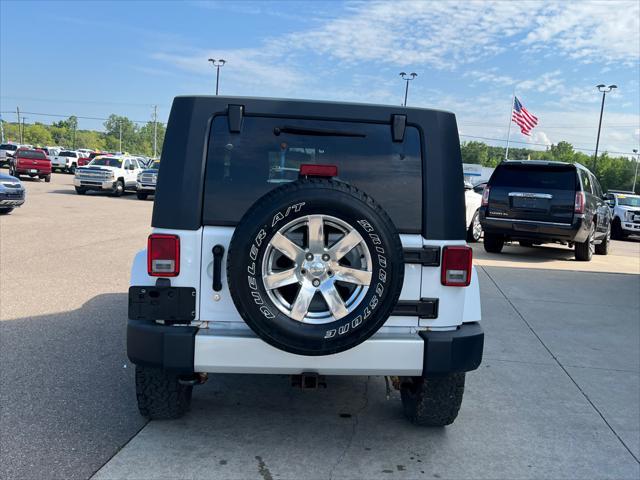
[557, 395]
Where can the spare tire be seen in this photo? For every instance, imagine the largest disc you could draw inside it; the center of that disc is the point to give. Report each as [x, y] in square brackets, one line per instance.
[315, 267]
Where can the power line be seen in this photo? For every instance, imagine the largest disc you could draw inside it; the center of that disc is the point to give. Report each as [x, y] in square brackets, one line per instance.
[58, 115]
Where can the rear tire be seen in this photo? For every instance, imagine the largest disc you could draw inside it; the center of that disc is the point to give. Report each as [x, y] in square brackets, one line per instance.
[493, 243]
[47, 178]
[526, 244]
[160, 395]
[474, 232]
[81, 190]
[433, 402]
[584, 250]
[603, 247]
[72, 170]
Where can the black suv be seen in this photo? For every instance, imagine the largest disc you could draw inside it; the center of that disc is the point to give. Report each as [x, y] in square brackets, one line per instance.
[537, 202]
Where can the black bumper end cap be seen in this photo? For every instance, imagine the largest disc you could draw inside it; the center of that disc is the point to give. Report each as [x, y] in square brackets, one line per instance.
[453, 351]
[153, 345]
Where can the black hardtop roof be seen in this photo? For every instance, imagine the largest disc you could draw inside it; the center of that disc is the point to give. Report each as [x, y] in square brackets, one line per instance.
[307, 103]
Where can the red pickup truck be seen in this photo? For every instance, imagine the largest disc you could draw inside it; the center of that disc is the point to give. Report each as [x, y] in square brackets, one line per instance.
[32, 162]
[84, 161]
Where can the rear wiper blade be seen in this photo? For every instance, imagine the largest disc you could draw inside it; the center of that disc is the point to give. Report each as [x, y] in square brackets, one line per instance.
[318, 132]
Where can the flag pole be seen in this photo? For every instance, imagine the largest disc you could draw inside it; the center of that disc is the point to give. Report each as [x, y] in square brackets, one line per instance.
[513, 98]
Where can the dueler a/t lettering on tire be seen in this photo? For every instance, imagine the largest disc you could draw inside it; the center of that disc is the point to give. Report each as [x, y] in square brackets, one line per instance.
[315, 267]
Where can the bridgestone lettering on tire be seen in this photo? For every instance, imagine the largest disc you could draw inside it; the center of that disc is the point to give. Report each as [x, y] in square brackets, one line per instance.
[315, 267]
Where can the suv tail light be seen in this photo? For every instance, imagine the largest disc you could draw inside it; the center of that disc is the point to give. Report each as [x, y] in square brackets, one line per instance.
[578, 206]
[485, 196]
[163, 255]
[456, 266]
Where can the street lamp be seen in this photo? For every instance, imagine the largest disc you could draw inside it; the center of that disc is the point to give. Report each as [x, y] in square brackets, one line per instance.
[407, 78]
[604, 89]
[217, 63]
[635, 175]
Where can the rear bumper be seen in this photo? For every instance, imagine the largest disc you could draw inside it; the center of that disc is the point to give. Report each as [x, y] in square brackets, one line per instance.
[239, 350]
[37, 171]
[576, 231]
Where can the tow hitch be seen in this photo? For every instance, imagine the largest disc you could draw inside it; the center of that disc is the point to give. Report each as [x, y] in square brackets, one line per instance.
[308, 381]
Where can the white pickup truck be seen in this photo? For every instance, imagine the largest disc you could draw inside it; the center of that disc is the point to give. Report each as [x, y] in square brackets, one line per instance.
[625, 214]
[65, 161]
[111, 173]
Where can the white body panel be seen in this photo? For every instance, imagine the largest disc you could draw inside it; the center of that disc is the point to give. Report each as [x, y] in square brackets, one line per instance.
[396, 349]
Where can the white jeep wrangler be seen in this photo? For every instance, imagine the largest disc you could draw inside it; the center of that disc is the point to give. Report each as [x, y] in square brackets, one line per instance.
[356, 265]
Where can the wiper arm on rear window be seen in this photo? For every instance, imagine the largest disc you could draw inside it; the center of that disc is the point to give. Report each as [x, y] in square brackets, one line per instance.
[318, 132]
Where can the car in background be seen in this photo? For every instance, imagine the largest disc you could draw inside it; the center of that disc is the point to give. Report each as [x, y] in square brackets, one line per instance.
[86, 159]
[84, 152]
[7, 151]
[536, 202]
[146, 181]
[479, 187]
[66, 161]
[32, 162]
[12, 193]
[625, 213]
[111, 173]
[472, 201]
[51, 152]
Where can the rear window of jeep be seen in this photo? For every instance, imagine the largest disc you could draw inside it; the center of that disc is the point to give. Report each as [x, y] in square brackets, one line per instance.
[241, 167]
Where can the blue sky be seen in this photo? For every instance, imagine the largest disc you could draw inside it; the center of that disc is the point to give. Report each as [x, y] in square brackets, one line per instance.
[95, 58]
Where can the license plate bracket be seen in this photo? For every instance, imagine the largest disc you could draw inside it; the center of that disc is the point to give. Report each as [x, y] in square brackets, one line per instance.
[171, 304]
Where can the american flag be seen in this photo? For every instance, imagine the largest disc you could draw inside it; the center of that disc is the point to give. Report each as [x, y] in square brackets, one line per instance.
[521, 116]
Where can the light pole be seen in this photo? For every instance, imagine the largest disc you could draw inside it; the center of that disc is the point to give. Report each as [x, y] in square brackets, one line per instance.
[407, 79]
[635, 175]
[120, 129]
[22, 130]
[217, 63]
[604, 89]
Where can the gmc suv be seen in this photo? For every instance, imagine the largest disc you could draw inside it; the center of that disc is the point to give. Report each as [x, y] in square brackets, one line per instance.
[309, 239]
[536, 202]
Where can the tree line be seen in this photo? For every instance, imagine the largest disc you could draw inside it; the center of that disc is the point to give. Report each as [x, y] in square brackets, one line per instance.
[136, 139]
[612, 172]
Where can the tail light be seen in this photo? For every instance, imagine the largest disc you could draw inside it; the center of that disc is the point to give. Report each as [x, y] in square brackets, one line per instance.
[163, 255]
[311, 170]
[456, 266]
[578, 206]
[485, 196]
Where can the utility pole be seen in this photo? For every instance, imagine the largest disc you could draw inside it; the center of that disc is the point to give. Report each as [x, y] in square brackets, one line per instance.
[604, 90]
[74, 137]
[19, 128]
[120, 128]
[407, 79]
[22, 130]
[155, 131]
[217, 64]
[635, 176]
[1, 129]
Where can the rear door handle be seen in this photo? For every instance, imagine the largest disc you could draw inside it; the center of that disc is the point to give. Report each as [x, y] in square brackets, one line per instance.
[218, 253]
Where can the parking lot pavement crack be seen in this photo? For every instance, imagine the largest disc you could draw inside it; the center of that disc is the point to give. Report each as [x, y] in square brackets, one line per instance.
[354, 428]
[515, 309]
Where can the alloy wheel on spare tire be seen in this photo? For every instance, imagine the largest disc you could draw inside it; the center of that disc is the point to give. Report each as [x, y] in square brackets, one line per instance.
[315, 267]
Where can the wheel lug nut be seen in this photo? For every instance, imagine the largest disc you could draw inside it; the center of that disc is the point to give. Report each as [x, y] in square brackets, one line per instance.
[325, 257]
[316, 282]
[309, 256]
[330, 273]
[303, 271]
